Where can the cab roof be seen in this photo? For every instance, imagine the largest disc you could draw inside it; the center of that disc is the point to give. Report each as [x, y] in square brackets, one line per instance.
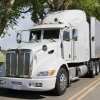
[46, 26]
[49, 26]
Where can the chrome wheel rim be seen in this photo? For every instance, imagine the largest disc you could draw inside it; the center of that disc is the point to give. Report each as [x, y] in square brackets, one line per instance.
[63, 82]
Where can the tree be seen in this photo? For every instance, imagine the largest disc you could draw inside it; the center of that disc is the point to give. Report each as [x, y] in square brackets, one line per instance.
[6, 6]
[91, 7]
[12, 9]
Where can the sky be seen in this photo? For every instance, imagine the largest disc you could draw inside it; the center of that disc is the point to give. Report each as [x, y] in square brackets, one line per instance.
[23, 24]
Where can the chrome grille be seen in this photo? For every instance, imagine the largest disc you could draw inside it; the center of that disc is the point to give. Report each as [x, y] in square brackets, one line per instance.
[18, 63]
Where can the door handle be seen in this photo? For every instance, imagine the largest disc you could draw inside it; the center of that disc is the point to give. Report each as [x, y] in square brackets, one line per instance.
[51, 52]
[69, 55]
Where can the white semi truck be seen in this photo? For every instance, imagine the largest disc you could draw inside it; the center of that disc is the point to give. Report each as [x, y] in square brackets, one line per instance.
[62, 49]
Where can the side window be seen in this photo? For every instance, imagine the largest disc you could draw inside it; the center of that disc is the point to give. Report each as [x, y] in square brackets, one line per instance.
[75, 34]
[66, 36]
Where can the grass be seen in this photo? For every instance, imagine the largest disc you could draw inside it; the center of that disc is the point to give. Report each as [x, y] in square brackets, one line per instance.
[1, 58]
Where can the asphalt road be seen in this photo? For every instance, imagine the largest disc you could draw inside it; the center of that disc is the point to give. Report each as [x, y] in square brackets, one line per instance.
[83, 89]
[94, 95]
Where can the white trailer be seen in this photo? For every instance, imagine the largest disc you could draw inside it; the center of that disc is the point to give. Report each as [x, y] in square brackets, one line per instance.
[60, 50]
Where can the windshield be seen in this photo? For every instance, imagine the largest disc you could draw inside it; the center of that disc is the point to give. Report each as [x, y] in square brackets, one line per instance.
[51, 34]
[35, 35]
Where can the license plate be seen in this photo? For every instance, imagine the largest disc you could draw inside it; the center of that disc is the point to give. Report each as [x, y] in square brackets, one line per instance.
[16, 83]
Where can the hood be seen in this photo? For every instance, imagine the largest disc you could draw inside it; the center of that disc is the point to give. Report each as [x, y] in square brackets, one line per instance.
[37, 46]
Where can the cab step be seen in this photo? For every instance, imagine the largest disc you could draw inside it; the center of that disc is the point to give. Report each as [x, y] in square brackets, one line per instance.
[75, 79]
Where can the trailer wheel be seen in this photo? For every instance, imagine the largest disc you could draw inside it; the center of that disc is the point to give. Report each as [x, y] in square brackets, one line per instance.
[94, 69]
[61, 82]
[99, 65]
[92, 72]
[97, 68]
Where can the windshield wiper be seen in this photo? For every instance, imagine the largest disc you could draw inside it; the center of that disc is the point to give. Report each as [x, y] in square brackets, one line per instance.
[34, 40]
[53, 40]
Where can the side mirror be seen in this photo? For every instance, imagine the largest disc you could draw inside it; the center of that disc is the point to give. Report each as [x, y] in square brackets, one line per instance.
[19, 38]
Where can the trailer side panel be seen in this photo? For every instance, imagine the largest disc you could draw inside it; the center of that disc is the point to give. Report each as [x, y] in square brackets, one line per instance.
[97, 39]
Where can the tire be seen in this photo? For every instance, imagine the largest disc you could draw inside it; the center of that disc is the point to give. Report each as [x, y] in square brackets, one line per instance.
[61, 82]
[99, 65]
[97, 68]
[92, 72]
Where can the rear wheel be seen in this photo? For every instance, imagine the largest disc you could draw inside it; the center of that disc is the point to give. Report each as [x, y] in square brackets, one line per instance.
[92, 71]
[97, 67]
[61, 82]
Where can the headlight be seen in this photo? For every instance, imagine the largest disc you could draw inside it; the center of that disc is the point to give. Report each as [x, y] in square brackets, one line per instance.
[44, 48]
[47, 73]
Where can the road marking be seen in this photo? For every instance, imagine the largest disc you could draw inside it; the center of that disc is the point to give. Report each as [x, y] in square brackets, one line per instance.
[88, 91]
[84, 89]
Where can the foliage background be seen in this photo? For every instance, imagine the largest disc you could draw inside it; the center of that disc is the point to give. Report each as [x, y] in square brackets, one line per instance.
[10, 10]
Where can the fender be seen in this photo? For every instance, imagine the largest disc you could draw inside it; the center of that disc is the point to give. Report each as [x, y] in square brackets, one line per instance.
[52, 63]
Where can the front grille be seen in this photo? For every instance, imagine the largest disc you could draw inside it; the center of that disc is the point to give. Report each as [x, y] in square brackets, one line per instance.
[18, 63]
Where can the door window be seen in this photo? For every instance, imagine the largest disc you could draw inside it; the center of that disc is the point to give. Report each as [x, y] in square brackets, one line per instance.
[75, 34]
[66, 36]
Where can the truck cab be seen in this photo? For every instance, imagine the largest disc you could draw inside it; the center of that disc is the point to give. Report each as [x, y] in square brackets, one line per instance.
[56, 53]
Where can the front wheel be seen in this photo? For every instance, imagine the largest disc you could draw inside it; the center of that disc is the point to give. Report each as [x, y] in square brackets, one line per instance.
[61, 82]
